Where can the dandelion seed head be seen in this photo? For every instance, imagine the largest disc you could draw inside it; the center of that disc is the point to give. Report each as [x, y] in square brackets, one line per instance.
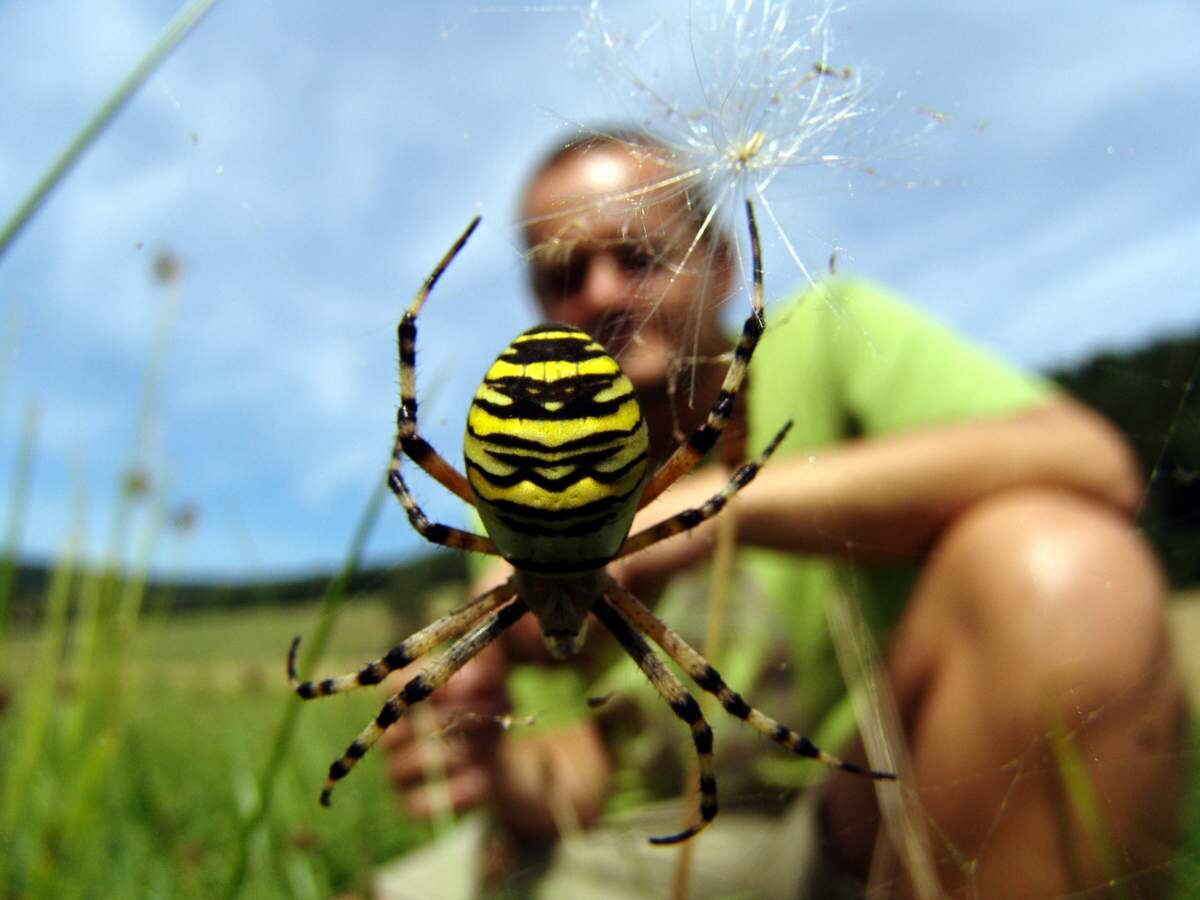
[168, 267]
[724, 102]
[740, 92]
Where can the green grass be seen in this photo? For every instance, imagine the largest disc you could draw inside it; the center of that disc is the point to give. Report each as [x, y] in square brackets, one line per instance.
[202, 696]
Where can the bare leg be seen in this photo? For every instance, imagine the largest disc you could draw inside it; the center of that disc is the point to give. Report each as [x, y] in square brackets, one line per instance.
[1037, 607]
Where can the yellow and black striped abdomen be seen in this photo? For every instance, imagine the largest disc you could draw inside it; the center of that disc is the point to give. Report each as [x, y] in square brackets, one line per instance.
[556, 451]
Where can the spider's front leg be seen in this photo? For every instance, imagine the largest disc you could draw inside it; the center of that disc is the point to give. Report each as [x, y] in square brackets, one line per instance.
[412, 648]
[432, 677]
[408, 440]
[690, 518]
[691, 451]
[435, 532]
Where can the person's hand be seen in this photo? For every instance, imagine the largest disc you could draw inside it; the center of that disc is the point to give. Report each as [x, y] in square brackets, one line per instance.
[455, 732]
[540, 783]
[550, 782]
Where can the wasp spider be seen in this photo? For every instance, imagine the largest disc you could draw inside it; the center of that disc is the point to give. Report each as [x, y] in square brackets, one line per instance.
[556, 467]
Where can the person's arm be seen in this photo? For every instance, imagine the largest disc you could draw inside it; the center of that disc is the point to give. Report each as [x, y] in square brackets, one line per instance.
[888, 498]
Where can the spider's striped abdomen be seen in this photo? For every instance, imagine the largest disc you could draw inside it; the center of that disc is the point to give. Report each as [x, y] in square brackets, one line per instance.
[556, 451]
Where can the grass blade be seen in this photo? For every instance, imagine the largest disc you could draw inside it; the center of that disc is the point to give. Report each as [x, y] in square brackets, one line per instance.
[331, 602]
[18, 498]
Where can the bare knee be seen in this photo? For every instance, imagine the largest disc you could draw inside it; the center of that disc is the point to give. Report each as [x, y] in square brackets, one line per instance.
[1044, 587]
[1038, 612]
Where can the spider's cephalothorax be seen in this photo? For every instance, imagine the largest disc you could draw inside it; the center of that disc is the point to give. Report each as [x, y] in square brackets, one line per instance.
[557, 468]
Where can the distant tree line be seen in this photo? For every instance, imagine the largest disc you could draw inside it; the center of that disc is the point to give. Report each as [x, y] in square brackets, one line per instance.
[397, 583]
[1153, 395]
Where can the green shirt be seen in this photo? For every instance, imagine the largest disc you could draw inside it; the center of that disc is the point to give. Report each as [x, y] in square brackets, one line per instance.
[842, 360]
[845, 360]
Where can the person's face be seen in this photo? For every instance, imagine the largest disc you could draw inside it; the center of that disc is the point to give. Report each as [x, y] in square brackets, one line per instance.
[621, 262]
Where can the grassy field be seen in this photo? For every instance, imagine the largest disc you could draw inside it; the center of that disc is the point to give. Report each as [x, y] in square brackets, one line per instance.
[153, 801]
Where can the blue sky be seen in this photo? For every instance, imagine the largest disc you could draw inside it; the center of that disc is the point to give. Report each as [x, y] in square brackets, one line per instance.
[308, 163]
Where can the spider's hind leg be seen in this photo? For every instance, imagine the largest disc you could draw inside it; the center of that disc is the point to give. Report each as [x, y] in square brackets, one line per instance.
[682, 703]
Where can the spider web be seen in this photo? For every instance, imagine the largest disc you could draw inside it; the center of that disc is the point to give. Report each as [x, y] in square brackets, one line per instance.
[748, 103]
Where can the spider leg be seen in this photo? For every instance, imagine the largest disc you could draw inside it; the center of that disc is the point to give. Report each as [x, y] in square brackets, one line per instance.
[690, 518]
[708, 679]
[414, 647]
[701, 440]
[408, 440]
[434, 532]
[432, 677]
[682, 703]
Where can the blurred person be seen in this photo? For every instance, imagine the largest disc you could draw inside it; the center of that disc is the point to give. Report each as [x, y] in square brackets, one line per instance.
[989, 519]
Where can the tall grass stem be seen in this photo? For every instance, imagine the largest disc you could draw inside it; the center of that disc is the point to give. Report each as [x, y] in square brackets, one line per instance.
[18, 500]
[714, 626]
[331, 603]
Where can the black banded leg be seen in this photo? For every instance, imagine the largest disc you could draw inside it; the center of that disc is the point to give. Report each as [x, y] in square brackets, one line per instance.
[434, 532]
[412, 648]
[690, 518]
[701, 440]
[408, 440]
[432, 677]
[710, 680]
[682, 703]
